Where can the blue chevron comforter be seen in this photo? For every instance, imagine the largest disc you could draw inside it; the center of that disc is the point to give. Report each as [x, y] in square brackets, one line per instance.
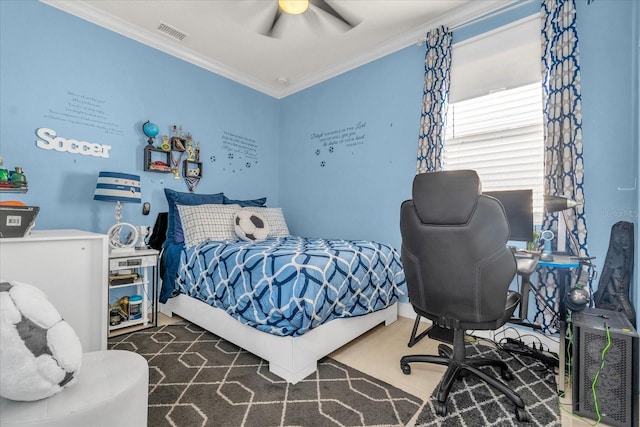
[288, 286]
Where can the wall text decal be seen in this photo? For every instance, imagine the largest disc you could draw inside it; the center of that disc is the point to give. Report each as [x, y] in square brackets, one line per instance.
[85, 110]
[50, 141]
[240, 152]
[350, 136]
[329, 141]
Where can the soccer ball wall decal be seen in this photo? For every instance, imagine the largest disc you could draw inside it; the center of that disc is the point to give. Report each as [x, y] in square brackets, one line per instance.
[251, 226]
[40, 353]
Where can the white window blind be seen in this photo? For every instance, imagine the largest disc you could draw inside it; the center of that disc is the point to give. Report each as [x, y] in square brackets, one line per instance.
[507, 57]
[500, 136]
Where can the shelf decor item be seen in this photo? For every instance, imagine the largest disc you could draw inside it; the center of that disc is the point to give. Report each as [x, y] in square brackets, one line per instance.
[150, 130]
[166, 145]
[177, 147]
[4, 173]
[18, 179]
[12, 181]
[175, 164]
[119, 188]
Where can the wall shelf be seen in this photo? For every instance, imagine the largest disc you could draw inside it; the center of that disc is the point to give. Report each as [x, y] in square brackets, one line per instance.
[156, 160]
[191, 169]
[13, 190]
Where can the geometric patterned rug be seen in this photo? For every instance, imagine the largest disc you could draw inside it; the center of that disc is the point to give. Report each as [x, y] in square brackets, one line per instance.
[199, 379]
[472, 402]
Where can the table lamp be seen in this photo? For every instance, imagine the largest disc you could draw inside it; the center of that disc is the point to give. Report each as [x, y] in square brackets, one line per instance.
[119, 188]
[556, 204]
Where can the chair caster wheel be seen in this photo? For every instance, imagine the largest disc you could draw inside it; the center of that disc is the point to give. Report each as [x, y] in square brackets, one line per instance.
[506, 375]
[522, 415]
[406, 369]
[441, 409]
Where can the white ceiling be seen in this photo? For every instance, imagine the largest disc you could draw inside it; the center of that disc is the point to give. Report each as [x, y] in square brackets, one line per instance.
[223, 35]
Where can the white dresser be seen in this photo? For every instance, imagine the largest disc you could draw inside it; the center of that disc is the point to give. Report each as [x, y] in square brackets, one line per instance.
[71, 267]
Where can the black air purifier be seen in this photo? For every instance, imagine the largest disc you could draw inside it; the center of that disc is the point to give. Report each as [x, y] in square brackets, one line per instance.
[614, 377]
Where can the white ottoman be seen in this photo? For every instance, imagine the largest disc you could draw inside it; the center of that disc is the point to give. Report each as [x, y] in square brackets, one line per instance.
[112, 389]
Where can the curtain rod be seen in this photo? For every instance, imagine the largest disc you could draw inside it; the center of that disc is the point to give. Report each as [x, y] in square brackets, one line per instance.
[477, 19]
[495, 13]
[488, 15]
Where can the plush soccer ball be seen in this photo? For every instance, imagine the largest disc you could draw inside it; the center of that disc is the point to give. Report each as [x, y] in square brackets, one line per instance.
[39, 352]
[251, 226]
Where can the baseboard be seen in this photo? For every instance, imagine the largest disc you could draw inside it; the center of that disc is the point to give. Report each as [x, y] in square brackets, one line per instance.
[405, 309]
[527, 335]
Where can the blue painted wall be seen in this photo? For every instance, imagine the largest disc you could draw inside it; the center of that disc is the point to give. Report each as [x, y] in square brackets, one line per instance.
[358, 191]
[339, 187]
[339, 157]
[90, 84]
[348, 150]
[609, 57]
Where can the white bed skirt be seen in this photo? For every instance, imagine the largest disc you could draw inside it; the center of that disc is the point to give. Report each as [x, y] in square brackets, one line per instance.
[291, 358]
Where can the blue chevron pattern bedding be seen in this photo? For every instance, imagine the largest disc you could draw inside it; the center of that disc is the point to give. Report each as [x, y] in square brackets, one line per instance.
[288, 286]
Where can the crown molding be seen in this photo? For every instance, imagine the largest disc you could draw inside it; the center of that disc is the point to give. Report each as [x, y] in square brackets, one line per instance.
[158, 41]
[453, 19]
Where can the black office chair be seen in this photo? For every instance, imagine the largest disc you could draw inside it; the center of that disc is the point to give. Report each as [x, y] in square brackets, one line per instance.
[458, 271]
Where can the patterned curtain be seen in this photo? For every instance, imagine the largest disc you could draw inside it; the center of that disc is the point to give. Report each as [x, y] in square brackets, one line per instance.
[437, 67]
[563, 159]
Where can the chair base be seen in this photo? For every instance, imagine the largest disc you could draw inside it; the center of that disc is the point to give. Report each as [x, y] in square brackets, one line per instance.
[435, 332]
[459, 366]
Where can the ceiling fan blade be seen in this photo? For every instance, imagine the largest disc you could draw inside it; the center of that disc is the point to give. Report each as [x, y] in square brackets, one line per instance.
[326, 7]
[269, 28]
[313, 20]
[275, 21]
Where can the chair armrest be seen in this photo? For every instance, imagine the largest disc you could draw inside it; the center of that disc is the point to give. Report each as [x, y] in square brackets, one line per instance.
[526, 266]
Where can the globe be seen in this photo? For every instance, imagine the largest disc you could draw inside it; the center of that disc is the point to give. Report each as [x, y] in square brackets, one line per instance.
[150, 129]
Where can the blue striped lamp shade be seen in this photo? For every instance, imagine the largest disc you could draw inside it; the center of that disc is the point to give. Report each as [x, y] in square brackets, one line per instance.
[118, 187]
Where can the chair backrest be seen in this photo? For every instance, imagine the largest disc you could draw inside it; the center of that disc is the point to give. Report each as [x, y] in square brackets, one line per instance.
[457, 265]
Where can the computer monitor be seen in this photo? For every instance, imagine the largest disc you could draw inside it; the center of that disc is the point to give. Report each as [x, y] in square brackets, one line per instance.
[518, 205]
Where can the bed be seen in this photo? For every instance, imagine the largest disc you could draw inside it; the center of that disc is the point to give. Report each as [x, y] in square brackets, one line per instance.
[290, 300]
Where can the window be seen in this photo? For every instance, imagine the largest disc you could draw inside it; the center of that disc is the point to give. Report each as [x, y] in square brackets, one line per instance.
[500, 135]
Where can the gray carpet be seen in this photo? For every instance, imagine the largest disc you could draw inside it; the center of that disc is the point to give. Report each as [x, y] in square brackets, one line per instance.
[199, 379]
[473, 403]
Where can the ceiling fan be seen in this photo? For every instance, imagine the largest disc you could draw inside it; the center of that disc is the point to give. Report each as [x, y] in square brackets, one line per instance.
[310, 10]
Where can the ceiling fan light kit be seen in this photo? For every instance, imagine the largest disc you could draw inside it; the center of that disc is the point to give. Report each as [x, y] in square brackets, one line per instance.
[310, 10]
[293, 7]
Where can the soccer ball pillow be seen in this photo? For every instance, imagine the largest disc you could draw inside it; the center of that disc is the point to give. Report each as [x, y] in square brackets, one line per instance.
[39, 352]
[250, 226]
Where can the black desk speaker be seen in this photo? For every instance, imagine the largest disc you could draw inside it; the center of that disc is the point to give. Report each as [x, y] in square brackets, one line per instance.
[616, 386]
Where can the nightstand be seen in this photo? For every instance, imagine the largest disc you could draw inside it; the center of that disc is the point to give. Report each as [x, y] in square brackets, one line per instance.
[133, 290]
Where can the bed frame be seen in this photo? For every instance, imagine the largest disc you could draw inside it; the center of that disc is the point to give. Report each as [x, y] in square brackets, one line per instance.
[291, 358]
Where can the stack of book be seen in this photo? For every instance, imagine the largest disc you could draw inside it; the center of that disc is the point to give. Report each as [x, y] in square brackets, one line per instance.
[122, 279]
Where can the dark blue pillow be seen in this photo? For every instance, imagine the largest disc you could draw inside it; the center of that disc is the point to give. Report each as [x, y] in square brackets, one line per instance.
[174, 225]
[258, 203]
